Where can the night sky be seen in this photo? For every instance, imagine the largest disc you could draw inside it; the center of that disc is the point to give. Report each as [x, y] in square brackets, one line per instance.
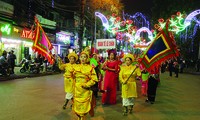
[133, 6]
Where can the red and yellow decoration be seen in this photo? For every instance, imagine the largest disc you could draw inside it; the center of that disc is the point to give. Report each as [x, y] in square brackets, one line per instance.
[41, 43]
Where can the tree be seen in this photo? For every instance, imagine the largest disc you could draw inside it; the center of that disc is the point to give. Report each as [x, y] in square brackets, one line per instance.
[109, 6]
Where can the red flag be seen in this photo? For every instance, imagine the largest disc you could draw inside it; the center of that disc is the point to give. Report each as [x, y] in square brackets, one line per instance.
[42, 44]
[162, 48]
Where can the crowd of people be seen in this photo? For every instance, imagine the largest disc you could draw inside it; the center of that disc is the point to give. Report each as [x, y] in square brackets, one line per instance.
[7, 62]
[86, 76]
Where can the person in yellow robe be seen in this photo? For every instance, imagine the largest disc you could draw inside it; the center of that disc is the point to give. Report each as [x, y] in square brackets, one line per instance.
[127, 77]
[68, 76]
[85, 77]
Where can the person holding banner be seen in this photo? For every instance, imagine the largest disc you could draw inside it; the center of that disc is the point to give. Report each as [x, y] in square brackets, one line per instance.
[111, 68]
[85, 77]
[127, 77]
[68, 76]
[153, 81]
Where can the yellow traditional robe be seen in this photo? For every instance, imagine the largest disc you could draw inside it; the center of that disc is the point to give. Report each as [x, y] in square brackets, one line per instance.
[68, 77]
[129, 89]
[85, 75]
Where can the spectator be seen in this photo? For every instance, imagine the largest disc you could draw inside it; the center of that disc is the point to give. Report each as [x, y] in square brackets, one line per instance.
[176, 68]
[3, 59]
[170, 67]
[182, 65]
[11, 60]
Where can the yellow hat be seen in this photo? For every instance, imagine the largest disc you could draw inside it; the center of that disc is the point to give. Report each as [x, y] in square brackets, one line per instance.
[129, 56]
[85, 52]
[73, 54]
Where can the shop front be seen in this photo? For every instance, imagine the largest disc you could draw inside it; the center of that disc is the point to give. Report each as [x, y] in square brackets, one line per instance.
[11, 40]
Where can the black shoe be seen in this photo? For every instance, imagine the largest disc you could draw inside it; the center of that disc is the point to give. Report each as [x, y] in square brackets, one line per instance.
[130, 109]
[64, 107]
[146, 100]
[125, 113]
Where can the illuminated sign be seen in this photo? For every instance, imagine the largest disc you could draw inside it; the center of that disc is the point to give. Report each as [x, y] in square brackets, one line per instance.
[6, 29]
[62, 38]
[16, 30]
[27, 34]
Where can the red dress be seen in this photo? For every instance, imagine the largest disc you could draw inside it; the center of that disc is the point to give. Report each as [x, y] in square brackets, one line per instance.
[110, 83]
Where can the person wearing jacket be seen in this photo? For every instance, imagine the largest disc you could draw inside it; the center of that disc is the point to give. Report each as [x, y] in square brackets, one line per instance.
[68, 76]
[127, 77]
[85, 77]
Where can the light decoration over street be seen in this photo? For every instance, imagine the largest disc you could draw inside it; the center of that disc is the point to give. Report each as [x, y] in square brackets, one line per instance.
[103, 18]
[177, 23]
[125, 28]
[191, 17]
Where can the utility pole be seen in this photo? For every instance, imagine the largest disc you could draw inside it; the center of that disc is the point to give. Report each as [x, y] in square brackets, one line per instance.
[80, 42]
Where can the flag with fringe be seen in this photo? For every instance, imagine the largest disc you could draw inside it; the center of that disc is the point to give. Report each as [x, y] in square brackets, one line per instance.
[41, 43]
[161, 49]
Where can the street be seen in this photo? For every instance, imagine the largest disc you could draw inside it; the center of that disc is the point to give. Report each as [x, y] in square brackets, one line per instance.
[41, 98]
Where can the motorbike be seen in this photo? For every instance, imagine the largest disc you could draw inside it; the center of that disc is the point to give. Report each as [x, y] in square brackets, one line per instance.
[5, 70]
[32, 68]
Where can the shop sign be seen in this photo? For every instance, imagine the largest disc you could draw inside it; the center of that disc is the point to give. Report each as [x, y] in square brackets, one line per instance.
[6, 29]
[16, 30]
[46, 22]
[105, 43]
[62, 38]
[27, 34]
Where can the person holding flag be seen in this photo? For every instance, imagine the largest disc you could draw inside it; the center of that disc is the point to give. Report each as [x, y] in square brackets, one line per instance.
[68, 76]
[127, 77]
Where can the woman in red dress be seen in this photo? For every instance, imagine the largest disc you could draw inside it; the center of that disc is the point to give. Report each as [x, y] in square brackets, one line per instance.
[111, 67]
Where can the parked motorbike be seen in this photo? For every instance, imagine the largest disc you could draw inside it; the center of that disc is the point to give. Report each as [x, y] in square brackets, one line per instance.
[5, 70]
[32, 68]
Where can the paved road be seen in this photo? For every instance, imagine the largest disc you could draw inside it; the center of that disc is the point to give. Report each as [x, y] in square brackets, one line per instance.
[41, 98]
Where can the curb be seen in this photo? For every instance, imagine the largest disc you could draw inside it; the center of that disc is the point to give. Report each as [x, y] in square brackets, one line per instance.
[12, 77]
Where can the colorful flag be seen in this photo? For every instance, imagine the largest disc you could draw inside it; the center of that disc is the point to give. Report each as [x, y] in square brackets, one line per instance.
[162, 48]
[41, 43]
